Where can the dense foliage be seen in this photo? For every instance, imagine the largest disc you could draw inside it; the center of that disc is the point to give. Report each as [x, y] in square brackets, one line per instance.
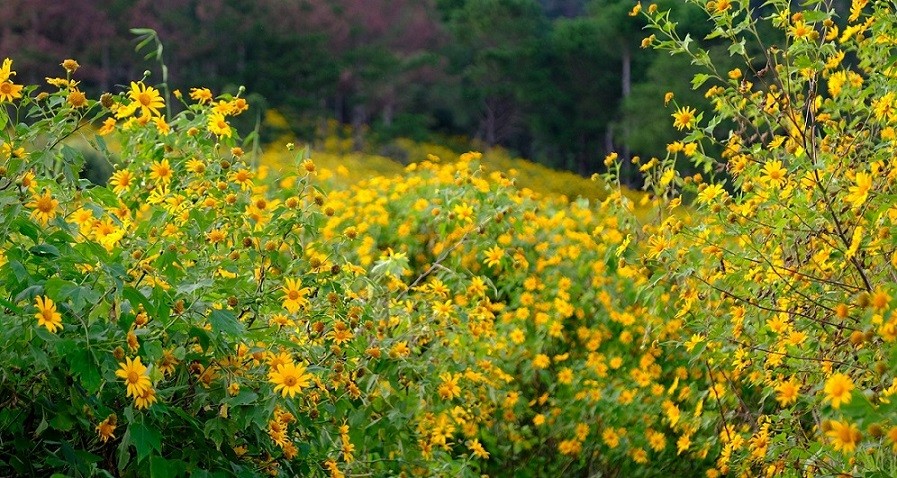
[200, 315]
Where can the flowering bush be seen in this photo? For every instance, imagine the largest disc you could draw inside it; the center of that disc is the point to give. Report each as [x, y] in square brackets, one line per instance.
[197, 315]
[785, 271]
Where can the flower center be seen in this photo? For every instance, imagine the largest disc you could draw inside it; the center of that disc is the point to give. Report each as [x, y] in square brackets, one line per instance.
[45, 204]
[293, 294]
[133, 377]
[290, 381]
[145, 99]
[6, 88]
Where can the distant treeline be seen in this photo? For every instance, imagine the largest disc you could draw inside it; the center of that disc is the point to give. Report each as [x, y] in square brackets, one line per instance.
[562, 82]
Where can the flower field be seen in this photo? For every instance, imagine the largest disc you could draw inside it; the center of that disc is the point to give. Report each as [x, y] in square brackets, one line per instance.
[314, 313]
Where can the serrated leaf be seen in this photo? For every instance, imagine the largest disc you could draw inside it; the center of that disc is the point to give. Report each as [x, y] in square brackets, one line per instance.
[245, 397]
[145, 440]
[225, 321]
[811, 16]
[698, 80]
[85, 368]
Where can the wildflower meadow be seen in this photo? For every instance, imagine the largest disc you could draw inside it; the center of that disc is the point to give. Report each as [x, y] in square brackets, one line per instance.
[220, 308]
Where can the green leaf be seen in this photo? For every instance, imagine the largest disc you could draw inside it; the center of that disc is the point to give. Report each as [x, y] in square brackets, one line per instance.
[225, 321]
[153, 351]
[62, 422]
[201, 335]
[245, 397]
[737, 48]
[145, 440]
[26, 227]
[85, 368]
[698, 80]
[103, 196]
[135, 297]
[45, 250]
[160, 467]
[811, 16]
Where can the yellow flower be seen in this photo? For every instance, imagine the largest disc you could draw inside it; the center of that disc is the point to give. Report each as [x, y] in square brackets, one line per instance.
[121, 181]
[161, 172]
[201, 95]
[294, 295]
[494, 255]
[46, 315]
[168, 362]
[135, 377]
[238, 105]
[800, 30]
[243, 177]
[147, 98]
[710, 193]
[289, 378]
[6, 70]
[44, 207]
[145, 399]
[108, 127]
[774, 173]
[161, 125]
[844, 436]
[464, 212]
[10, 91]
[858, 194]
[218, 125]
[787, 392]
[216, 235]
[683, 443]
[477, 449]
[400, 349]
[77, 99]
[449, 388]
[106, 428]
[70, 65]
[684, 118]
[565, 376]
[838, 388]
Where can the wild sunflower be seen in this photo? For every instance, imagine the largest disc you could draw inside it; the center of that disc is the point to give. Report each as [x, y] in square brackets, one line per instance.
[294, 295]
[684, 118]
[6, 70]
[218, 125]
[289, 378]
[147, 98]
[44, 207]
[121, 181]
[838, 388]
[134, 374]
[46, 315]
[161, 172]
[77, 99]
[10, 91]
[844, 436]
[201, 95]
[145, 399]
[106, 428]
[494, 256]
